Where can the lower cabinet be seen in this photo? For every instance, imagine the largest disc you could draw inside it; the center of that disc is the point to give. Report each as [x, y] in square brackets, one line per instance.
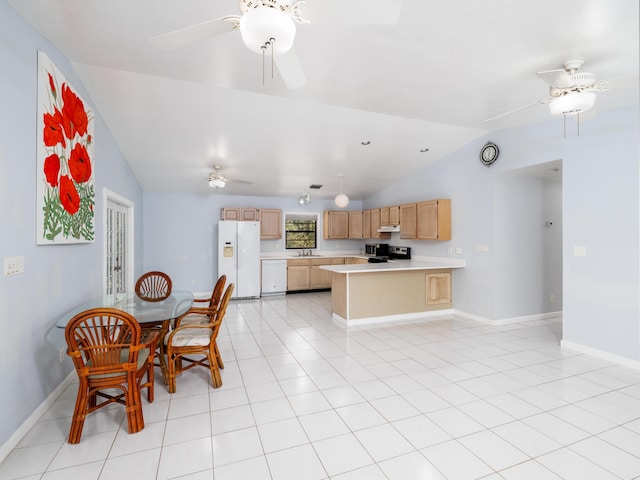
[438, 288]
[298, 275]
[306, 274]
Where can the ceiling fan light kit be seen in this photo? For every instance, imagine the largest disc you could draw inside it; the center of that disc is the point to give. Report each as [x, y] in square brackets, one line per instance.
[265, 26]
[572, 103]
[215, 182]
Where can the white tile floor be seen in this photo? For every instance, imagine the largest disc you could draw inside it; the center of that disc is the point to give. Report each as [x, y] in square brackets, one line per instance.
[306, 399]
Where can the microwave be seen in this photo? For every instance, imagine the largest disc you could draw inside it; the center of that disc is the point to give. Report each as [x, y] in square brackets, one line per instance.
[376, 249]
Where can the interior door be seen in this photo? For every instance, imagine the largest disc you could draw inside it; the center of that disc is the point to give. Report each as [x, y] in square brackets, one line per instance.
[116, 249]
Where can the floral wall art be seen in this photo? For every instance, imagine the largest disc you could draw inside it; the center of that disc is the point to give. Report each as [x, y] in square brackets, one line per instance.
[65, 156]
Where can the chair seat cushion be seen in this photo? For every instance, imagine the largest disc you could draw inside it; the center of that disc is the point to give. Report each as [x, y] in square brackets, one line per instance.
[191, 337]
[143, 356]
[195, 319]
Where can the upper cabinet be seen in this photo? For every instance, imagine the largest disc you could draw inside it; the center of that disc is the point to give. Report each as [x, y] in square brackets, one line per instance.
[366, 224]
[434, 220]
[270, 224]
[336, 225]
[394, 215]
[230, 214]
[408, 221]
[384, 216]
[249, 214]
[355, 224]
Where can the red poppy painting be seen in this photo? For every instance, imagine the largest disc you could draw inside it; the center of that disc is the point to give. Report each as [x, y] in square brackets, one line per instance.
[66, 192]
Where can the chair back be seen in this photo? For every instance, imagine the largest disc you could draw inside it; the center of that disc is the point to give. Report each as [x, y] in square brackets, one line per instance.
[153, 286]
[103, 341]
[216, 295]
[220, 312]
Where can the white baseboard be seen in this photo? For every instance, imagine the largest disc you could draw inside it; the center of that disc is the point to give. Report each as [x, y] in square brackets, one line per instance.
[507, 321]
[23, 429]
[403, 317]
[601, 354]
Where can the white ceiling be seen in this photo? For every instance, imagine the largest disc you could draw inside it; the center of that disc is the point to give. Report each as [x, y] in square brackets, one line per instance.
[427, 81]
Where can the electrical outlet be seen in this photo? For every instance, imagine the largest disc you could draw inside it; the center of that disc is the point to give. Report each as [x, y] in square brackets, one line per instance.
[458, 251]
[552, 298]
[450, 250]
[579, 251]
[193, 282]
[63, 353]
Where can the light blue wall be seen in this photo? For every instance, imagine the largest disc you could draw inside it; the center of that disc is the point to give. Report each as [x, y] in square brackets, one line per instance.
[188, 250]
[600, 210]
[56, 278]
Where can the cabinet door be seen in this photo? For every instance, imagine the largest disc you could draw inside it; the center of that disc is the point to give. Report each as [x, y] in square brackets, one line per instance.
[366, 224]
[434, 220]
[355, 225]
[408, 219]
[384, 216]
[320, 278]
[270, 224]
[394, 215]
[298, 277]
[375, 223]
[355, 261]
[438, 288]
[230, 214]
[336, 225]
[249, 214]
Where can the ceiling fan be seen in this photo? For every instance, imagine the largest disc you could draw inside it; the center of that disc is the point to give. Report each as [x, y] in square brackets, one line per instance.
[571, 92]
[269, 27]
[217, 180]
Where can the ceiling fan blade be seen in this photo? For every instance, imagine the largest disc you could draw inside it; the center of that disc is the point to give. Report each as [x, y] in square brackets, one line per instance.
[556, 78]
[291, 69]
[201, 31]
[540, 102]
[352, 12]
[619, 83]
[244, 182]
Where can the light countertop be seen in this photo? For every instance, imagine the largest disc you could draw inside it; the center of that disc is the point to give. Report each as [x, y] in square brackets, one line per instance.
[396, 265]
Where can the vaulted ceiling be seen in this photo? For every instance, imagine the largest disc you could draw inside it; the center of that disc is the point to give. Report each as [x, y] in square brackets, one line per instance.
[427, 80]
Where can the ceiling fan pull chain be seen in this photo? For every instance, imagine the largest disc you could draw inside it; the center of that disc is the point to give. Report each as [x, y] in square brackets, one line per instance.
[272, 41]
[263, 48]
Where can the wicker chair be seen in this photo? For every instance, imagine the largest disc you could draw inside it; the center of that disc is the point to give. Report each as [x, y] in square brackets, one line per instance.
[199, 314]
[107, 352]
[153, 286]
[186, 341]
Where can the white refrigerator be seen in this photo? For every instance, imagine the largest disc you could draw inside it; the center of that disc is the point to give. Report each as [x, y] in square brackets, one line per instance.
[239, 256]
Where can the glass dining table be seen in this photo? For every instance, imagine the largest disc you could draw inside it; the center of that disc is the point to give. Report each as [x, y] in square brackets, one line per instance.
[145, 312]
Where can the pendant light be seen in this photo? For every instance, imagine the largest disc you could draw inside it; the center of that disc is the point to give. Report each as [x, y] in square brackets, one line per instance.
[341, 199]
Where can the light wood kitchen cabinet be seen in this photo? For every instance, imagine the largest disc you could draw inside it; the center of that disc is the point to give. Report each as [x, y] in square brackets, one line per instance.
[298, 274]
[230, 213]
[375, 223]
[322, 278]
[408, 221]
[394, 215]
[270, 224]
[438, 286]
[249, 215]
[434, 220]
[336, 225]
[355, 224]
[384, 216]
[355, 261]
[366, 224]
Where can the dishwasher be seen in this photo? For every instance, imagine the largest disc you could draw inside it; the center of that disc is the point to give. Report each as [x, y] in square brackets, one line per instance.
[274, 277]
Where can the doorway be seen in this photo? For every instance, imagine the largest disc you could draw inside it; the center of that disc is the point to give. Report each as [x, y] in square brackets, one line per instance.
[118, 245]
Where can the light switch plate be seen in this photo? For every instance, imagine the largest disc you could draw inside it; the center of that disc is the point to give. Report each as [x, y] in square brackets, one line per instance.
[579, 251]
[13, 265]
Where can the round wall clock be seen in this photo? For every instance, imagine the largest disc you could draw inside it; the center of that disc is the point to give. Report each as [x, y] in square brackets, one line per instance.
[489, 153]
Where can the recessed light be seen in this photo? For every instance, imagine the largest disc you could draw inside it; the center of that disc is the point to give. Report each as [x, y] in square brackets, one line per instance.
[424, 150]
[366, 142]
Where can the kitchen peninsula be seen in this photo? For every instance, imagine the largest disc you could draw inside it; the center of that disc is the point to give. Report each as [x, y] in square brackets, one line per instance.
[396, 290]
